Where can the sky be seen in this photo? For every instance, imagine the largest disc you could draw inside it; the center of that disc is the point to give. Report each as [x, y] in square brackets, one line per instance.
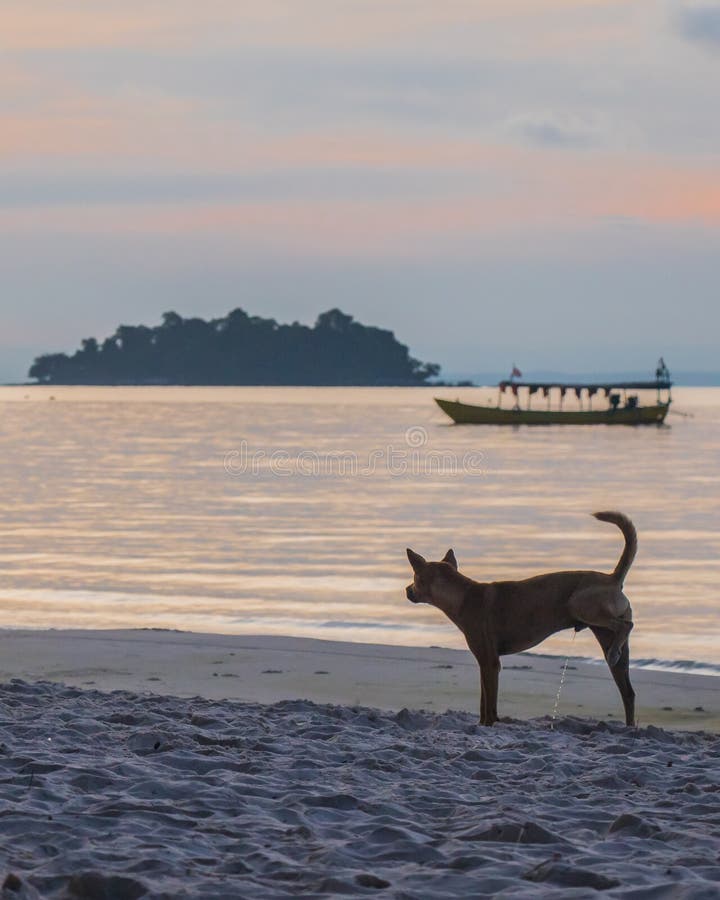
[528, 181]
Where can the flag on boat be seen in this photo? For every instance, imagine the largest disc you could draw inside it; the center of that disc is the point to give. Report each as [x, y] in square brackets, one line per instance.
[516, 373]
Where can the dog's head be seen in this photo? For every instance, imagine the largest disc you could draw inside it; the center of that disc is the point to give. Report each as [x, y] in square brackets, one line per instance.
[432, 579]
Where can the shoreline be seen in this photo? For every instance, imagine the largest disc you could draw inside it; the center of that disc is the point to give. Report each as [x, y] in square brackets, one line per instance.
[267, 669]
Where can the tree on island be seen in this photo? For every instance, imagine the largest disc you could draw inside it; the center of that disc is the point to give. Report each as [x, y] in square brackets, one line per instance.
[239, 349]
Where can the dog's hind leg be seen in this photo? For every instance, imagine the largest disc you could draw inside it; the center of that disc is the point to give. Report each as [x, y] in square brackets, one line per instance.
[621, 629]
[620, 671]
[608, 610]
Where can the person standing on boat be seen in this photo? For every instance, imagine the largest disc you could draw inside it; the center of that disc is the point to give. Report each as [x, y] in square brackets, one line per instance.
[516, 373]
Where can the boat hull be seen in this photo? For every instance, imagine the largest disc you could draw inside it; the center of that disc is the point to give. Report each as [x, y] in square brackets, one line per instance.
[468, 414]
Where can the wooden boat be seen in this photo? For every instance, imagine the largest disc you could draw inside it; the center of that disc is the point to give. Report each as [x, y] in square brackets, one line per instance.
[622, 408]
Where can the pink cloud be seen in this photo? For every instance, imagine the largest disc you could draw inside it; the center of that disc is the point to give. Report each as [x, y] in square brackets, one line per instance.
[554, 197]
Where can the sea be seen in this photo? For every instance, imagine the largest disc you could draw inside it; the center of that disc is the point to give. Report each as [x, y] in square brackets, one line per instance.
[287, 511]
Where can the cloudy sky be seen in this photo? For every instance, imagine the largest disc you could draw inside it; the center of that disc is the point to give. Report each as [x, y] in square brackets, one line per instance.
[534, 181]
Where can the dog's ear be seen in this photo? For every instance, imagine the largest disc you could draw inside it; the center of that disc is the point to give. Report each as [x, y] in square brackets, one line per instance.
[416, 561]
[450, 558]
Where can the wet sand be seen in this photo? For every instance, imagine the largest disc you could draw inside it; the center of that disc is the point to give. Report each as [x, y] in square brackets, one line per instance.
[266, 669]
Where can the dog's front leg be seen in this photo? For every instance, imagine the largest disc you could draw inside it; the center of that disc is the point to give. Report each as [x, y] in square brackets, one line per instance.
[483, 690]
[491, 679]
[489, 671]
[483, 697]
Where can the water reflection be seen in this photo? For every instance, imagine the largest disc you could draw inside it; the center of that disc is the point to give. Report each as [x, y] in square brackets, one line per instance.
[120, 510]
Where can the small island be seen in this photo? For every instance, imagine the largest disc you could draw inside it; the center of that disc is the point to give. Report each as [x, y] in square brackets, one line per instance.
[239, 349]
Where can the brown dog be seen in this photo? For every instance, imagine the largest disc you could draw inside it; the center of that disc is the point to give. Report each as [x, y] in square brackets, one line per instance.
[510, 616]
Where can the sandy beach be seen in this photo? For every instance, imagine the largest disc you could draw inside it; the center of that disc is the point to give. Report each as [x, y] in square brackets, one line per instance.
[167, 764]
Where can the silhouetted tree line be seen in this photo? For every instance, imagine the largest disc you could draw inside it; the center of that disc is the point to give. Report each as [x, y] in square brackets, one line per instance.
[239, 349]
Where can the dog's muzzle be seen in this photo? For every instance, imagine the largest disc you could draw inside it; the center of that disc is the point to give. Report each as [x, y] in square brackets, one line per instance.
[410, 594]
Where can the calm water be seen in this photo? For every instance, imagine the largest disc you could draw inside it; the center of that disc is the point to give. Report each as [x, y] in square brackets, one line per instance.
[288, 511]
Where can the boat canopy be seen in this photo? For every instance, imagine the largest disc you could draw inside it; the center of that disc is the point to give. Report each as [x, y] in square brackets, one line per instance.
[599, 388]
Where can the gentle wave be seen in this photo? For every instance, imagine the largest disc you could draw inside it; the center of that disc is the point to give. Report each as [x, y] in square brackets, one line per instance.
[686, 666]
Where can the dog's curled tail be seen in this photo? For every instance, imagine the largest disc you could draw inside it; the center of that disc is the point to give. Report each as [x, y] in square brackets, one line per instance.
[630, 535]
